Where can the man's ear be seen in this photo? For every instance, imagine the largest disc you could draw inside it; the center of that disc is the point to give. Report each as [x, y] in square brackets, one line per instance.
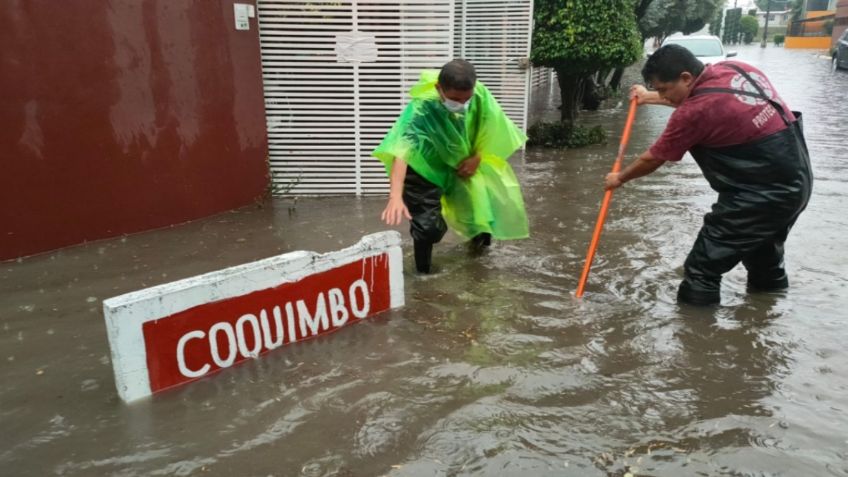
[687, 78]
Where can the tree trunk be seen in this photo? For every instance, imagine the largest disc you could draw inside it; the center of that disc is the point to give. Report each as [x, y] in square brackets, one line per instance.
[615, 81]
[570, 89]
[592, 98]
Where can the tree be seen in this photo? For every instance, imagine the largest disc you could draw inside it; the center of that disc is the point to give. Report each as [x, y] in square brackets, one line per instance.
[578, 38]
[640, 7]
[796, 9]
[715, 23]
[748, 26]
[655, 18]
[731, 26]
[664, 17]
[776, 5]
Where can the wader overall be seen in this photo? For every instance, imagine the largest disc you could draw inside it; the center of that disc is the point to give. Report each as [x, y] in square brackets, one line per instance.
[423, 199]
[427, 227]
[763, 186]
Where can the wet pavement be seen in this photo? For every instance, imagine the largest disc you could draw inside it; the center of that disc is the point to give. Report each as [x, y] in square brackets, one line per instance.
[493, 367]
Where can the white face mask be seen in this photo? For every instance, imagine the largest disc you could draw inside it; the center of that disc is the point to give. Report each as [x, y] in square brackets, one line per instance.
[456, 106]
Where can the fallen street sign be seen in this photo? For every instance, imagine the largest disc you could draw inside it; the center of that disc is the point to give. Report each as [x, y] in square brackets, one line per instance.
[175, 333]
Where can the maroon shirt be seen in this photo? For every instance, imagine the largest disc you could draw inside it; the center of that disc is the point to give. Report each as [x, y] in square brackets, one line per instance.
[720, 119]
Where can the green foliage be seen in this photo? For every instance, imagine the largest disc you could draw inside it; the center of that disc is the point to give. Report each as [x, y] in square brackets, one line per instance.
[773, 5]
[748, 26]
[664, 17]
[579, 38]
[731, 26]
[564, 135]
[796, 10]
[715, 23]
[779, 39]
[585, 36]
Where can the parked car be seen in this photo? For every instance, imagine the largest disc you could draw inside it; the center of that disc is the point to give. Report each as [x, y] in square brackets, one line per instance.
[707, 48]
[840, 52]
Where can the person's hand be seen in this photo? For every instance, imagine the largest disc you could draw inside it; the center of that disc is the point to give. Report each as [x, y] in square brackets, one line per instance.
[395, 211]
[640, 93]
[612, 181]
[468, 167]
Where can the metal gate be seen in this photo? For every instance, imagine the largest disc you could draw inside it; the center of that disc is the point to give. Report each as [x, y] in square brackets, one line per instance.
[337, 73]
[494, 35]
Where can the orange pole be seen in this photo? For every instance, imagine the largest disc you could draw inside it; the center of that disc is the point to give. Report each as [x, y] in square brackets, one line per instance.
[602, 216]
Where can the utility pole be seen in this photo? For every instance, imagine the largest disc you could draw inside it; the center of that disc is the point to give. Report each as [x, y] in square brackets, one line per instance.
[765, 29]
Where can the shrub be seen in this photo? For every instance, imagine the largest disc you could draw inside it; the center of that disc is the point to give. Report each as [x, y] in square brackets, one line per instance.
[564, 135]
[748, 27]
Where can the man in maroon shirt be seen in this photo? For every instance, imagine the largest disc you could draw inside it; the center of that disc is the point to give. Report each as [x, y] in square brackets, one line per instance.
[749, 146]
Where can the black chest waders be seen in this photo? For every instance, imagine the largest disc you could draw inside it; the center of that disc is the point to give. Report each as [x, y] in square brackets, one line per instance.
[427, 227]
[763, 186]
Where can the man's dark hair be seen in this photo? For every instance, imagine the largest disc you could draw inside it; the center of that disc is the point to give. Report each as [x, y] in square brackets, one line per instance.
[458, 75]
[669, 62]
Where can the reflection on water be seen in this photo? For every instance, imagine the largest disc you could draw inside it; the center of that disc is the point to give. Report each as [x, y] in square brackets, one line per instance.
[493, 367]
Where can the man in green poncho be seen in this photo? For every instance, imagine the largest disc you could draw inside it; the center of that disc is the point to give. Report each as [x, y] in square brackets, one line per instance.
[446, 159]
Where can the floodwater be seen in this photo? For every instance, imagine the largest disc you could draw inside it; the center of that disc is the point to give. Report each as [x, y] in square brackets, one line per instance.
[493, 367]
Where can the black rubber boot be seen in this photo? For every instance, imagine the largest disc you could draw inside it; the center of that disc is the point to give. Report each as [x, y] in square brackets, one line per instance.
[480, 243]
[766, 272]
[687, 294]
[423, 256]
[756, 284]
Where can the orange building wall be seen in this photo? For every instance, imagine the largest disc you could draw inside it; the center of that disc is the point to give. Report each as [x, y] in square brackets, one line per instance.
[810, 42]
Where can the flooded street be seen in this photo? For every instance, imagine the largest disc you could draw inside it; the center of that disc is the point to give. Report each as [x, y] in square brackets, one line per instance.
[492, 367]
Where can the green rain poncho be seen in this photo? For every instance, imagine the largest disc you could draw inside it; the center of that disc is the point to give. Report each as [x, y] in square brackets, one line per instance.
[434, 141]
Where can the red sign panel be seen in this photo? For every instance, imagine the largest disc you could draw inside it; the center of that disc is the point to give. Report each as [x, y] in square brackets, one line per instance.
[196, 342]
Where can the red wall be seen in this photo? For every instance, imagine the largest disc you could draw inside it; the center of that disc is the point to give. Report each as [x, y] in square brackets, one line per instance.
[122, 116]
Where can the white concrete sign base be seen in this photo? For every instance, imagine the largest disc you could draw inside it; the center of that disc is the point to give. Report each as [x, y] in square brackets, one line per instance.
[178, 332]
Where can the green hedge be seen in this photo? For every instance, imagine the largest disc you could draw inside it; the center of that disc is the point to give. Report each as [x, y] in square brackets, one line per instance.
[564, 135]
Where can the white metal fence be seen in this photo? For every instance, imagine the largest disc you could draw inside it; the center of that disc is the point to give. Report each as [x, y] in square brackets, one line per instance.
[541, 76]
[337, 73]
[494, 35]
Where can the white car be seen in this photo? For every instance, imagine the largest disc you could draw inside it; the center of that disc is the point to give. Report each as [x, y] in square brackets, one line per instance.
[707, 48]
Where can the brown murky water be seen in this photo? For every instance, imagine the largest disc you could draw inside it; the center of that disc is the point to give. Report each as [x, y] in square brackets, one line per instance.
[492, 368]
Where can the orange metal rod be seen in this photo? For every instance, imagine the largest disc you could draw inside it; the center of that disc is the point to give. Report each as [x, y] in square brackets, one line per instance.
[602, 216]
